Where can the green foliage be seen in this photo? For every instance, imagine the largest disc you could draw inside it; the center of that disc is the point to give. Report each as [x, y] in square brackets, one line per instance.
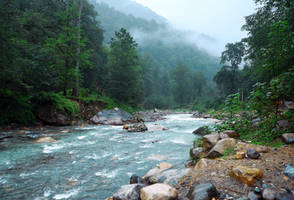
[110, 103]
[232, 104]
[15, 108]
[228, 152]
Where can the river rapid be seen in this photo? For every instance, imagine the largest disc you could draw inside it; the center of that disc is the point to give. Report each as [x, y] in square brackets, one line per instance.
[92, 162]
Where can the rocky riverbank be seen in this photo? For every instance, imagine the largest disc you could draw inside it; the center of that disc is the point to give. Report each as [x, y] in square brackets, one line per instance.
[221, 167]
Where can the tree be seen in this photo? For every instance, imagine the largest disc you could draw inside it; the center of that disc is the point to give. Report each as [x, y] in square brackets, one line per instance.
[125, 71]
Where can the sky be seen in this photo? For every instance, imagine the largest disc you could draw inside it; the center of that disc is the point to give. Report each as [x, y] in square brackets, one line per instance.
[220, 19]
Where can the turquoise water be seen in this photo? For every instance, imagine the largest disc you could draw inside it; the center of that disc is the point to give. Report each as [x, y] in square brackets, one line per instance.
[92, 162]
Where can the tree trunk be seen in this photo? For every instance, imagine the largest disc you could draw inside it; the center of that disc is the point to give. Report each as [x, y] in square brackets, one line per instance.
[75, 91]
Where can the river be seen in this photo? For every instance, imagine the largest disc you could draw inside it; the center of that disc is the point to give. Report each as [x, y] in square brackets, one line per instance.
[92, 162]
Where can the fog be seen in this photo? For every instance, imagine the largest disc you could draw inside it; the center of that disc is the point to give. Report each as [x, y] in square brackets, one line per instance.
[210, 23]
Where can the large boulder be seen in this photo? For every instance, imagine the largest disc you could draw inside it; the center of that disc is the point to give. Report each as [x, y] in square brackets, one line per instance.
[210, 140]
[159, 191]
[246, 175]
[205, 191]
[221, 147]
[288, 138]
[114, 116]
[128, 192]
[156, 127]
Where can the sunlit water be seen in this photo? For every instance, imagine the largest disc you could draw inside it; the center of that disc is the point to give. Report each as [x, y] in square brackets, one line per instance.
[92, 162]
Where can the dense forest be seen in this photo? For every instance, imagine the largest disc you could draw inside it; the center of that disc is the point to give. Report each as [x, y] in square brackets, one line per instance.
[57, 52]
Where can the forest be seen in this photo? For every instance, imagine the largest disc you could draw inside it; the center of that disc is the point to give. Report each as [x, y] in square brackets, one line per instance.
[54, 52]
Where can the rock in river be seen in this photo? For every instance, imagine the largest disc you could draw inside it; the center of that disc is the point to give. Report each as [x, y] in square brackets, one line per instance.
[246, 175]
[159, 191]
[137, 128]
[115, 116]
[205, 191]
[128, 192]
[45, 140]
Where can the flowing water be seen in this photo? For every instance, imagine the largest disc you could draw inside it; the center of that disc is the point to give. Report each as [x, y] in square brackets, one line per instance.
[92, 162]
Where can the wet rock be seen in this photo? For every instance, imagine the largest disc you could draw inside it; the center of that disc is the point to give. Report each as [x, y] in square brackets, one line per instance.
[128, 192]
[189, 163]
[240, 155]
[171, 176]
[201, 131]
[251, 153]
[289, 171]
[195, 153]
[159, 191]
[231, 134]
[254, 196]
[285, 196]
[205, 191]
[288, 138]
[136, 179]
[268, 194]
[156, 127]
[114, 116]
[220, 148]
[246, 175]
[210, 140]
[137, 128]
[45, 140]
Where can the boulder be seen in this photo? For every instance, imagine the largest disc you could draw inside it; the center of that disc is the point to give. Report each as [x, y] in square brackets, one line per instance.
[45, 140]
[136, 179]
[289, 171]
[51, 116]
[171, 176]
[195, 153]
[220, 148]
[288, 138]
[159, 191]
[114, 116]
[137, 128]
[164, 166]
[128, 192]
[269, 194]
[201, 131]
[251, 153]
[230, 134]
[285, 196]
[204, 191]
[156, 127]
[246, 175]
[210, 140]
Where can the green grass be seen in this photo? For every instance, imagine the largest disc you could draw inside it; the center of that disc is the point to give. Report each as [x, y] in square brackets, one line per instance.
[229, 151]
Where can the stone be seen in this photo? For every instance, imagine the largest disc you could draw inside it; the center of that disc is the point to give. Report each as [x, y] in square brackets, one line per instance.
[189, 163]
[206, 191]
[231, 134]
[164, 166]
[128, 192]
[220, 148]
[45, 140]
[288, 138]
[195, 153]
[255, 121]
[289, 171]
[254, 196]
[268, 194]
[285, 196]
[201, 131]
[202, 163]
[156, 127]
[136, 179]
[49, 115]
[126, 127]
[242, 146]
[240, 155]
[246, 175]
[159, 191]
[114, 116]
[172, 176]
[251, 153]
[137, 128]
[210, 140]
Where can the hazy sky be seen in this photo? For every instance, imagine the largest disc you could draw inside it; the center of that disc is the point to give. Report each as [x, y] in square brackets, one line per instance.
[221, 19]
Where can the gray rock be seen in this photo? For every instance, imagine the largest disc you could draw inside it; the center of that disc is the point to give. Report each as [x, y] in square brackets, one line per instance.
[288, 138]
[128, 192]
[253, 196]
[189, 163]
[251, 153]
[285, 196]
[203, 192]
[114, 116]
[136, 179]
[138, 128]
[255, 121]
[289, 171]
[269, 194]
[195, 153]
[210, 140]
[221, 147]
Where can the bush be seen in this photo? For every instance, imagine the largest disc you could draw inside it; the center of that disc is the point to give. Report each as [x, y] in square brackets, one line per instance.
[15, 108]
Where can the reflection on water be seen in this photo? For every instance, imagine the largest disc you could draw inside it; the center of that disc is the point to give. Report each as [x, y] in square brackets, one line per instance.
[92, 162]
